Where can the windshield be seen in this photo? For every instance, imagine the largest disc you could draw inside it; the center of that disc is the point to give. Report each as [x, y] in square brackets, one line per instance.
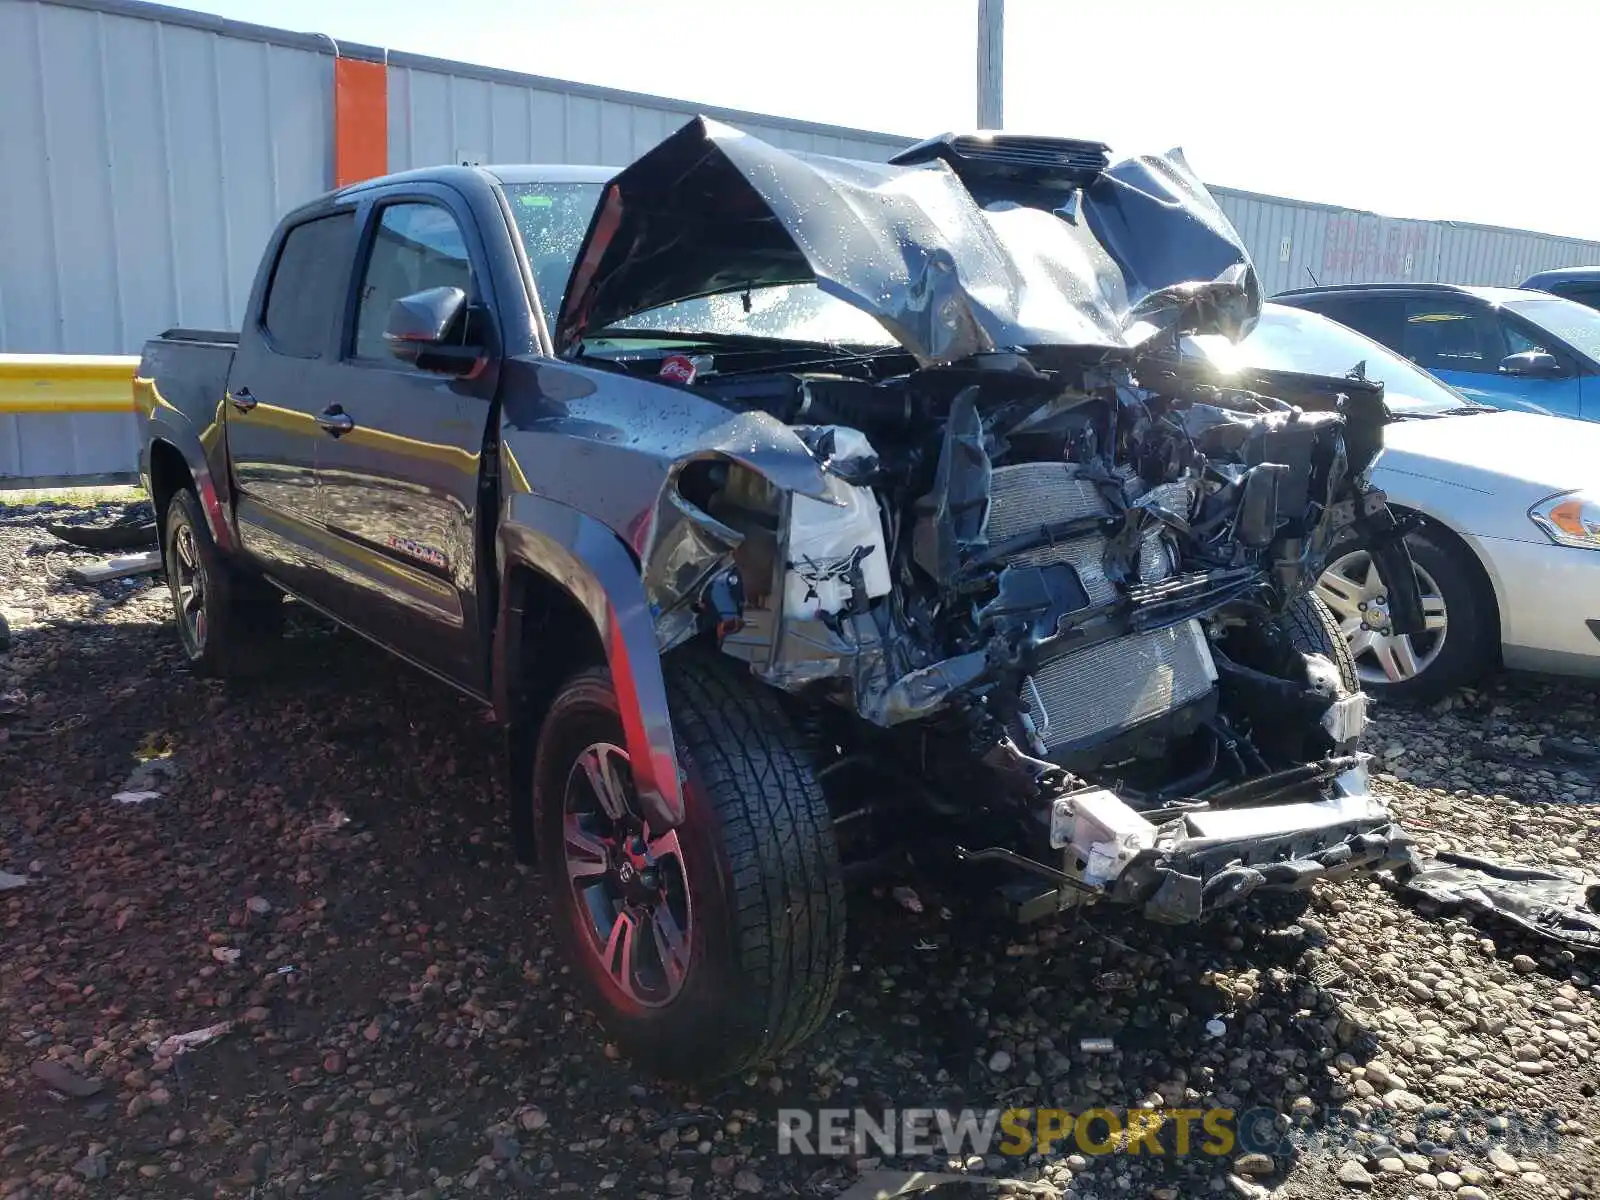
[552, 219]
[1570, 321]
[1289, 339]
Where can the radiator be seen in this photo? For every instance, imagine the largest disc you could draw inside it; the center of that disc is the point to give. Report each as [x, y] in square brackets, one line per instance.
[1088, 695]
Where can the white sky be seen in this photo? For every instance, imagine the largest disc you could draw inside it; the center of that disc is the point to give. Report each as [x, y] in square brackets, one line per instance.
[1464, 110]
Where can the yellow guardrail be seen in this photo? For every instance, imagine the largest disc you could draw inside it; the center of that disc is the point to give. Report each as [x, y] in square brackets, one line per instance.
[67, 383]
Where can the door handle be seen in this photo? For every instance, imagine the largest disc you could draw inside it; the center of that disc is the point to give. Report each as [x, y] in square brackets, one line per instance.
[243, 400]
[336, 421]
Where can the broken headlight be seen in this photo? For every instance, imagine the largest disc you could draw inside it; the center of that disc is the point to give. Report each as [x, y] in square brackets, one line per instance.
[1569, 519]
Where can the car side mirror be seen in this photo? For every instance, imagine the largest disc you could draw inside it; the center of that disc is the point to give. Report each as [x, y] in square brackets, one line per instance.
[417, 328]
[1532, 364]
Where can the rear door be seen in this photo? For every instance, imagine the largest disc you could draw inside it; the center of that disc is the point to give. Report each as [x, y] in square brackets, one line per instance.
[400, 488]
[289, 339]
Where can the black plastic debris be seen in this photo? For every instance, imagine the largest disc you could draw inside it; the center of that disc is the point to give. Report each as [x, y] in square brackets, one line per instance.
[134, 528]
[1561, 904]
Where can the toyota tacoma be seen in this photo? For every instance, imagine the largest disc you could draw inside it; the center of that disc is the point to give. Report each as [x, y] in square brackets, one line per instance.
[791, 512]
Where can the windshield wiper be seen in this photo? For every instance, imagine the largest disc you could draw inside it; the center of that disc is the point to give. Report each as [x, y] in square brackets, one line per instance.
[1467, 410]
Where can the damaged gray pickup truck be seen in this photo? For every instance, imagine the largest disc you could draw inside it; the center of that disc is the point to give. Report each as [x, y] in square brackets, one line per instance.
[792, 512]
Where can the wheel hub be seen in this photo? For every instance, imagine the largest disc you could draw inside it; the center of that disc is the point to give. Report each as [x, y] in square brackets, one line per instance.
[189, 585]
[629, 885]
[1352, 588]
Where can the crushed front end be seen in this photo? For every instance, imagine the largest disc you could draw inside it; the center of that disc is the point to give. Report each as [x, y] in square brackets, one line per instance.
[1057, 586]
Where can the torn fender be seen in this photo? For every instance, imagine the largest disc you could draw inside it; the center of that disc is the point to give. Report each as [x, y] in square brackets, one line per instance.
[596, 569]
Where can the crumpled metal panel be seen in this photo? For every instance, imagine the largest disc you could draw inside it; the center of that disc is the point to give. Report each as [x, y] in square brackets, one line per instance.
[711, 209]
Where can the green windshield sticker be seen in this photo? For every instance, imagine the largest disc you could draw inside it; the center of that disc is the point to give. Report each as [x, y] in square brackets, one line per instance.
[537, 201]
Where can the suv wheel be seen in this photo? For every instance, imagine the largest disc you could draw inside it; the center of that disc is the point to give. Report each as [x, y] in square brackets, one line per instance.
[1456, 643]
[715, 946]
[225, 621]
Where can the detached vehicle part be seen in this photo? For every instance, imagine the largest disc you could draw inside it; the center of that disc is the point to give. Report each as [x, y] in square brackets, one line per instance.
[798, 469]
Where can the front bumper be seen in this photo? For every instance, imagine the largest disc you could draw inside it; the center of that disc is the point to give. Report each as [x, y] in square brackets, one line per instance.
[1547, 597]
[1204, 862]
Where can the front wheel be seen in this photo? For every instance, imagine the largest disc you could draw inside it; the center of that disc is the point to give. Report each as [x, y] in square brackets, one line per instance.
[1457, 641]
[720, 944]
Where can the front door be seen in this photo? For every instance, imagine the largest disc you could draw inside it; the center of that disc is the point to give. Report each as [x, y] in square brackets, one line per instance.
[400, 488]
[1462, 341]
[269, 413]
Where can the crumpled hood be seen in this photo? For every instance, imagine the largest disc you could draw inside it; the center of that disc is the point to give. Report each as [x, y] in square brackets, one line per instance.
[1522, 456]
[712, 210]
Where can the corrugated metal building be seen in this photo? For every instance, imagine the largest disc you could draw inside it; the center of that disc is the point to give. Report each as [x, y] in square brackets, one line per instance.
[146, 152]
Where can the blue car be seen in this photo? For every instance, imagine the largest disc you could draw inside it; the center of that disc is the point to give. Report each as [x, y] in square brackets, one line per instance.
[1574, 283]
[1508, 347]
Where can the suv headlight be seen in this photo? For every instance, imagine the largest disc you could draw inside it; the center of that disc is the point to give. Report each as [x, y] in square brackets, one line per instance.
[1570, 519]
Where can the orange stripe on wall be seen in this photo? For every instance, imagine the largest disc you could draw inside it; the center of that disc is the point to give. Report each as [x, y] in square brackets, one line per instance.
[360, 120]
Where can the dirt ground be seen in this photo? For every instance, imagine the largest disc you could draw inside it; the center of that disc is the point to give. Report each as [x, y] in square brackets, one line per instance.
[326, 866]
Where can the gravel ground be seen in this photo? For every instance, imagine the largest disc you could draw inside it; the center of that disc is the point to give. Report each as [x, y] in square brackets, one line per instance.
[327, 867]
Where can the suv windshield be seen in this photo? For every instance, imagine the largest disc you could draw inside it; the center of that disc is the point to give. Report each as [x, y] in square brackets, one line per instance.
[1573, 323]
[1291, 339]
[552, 219]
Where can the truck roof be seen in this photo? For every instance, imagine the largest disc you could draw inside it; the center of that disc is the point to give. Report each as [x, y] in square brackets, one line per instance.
[506, 173]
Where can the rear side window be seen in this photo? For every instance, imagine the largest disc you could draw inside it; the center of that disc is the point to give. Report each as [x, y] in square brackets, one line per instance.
[308, 285]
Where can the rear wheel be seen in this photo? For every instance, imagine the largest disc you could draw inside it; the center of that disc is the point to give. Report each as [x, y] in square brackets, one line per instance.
[227, 623]
[711, 947]
[1457, 641]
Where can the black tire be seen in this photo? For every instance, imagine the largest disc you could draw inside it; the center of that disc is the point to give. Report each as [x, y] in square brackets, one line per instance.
[758, 864]
[1313, 629]
[229, 629]
[1471, 643]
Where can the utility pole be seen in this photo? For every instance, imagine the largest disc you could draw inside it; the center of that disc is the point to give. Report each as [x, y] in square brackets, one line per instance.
[991, 63]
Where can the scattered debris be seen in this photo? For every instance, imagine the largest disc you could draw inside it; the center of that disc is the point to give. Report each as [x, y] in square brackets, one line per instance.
[924, 945]
[1558, 903]
[11, 703]
[259, 905]
[120, 567]
[8, 881]
[139, 787]
[134, 529]
[60, 1078]
[182, 1043]
[908, 899]
[228, 955]
[1216, 1028]
[1097, 1045]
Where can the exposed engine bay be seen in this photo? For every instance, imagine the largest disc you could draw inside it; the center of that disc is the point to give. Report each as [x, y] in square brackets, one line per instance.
[1067, 577]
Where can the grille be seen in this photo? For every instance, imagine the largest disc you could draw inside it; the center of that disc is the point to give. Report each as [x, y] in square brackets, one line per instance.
[1092, 694]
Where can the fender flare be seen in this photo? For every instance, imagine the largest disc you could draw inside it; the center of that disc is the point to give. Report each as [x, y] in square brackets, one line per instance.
[161, 422]
[596, 568]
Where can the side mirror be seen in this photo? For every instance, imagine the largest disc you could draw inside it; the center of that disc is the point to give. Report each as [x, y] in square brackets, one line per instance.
[418, 325]
[1532, 364]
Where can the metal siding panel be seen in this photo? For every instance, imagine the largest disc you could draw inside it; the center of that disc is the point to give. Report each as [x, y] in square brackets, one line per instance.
[583, 131]
[511, 139]
[69, 56]
[199, 213]
[30, 285]
[551, 126]
[400, 157]
[616, 133]
[472, 121]
[432, 130]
